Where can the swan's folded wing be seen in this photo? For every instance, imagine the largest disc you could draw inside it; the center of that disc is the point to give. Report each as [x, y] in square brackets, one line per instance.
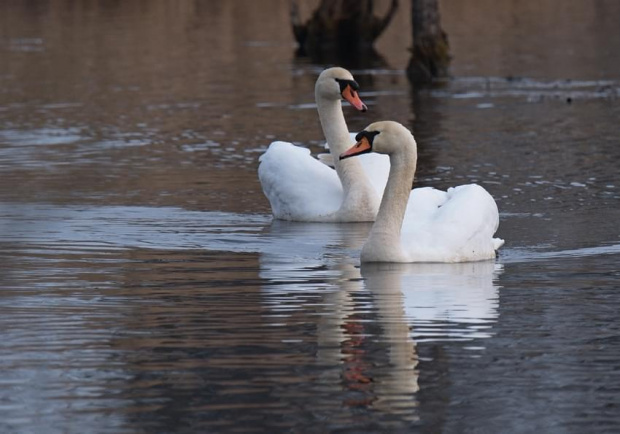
[423, 204]
[476, 212]
[377, 168]
[459, 229]
[298, 187]
[327, 159]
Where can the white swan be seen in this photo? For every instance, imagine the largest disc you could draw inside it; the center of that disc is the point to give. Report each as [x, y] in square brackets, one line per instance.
[301, 188]
[453, 226]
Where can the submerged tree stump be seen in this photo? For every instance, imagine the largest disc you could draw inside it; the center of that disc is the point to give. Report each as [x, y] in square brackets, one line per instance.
[339, 29]
[430, 54]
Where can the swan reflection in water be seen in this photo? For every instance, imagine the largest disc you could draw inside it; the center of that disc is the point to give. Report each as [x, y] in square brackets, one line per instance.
[369, 319]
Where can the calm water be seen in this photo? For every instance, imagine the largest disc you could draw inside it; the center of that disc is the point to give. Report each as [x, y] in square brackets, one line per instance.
[145, 288]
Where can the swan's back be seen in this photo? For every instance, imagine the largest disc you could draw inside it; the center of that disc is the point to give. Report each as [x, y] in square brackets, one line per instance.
[453, 226]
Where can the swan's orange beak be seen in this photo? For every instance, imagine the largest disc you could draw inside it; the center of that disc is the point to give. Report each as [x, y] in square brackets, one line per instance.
[361, 147]
[351, 95]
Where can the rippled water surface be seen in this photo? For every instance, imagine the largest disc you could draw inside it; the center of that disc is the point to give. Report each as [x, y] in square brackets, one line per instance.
[145, 288]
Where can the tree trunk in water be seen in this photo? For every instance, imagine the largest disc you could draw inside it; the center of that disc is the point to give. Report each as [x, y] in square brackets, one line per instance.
[339, 29]
[430, 55]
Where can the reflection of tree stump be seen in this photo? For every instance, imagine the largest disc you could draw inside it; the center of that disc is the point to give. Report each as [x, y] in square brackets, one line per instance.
[430, 55]
[339, 29]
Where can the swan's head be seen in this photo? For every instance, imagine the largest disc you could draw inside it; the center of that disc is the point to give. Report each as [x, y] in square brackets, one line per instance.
[386, 137]
[337, 83]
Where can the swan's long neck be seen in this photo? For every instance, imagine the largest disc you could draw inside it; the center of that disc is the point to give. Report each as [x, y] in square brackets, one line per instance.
[350, 171]
[384, 239]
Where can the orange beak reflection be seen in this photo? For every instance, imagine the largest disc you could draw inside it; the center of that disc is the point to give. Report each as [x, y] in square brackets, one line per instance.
[361, 147]
[351, 95]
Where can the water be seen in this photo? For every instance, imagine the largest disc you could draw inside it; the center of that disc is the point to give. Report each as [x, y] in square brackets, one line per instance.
[145, 287]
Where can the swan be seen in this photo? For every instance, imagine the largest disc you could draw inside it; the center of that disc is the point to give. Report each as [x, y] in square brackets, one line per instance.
[302, 188]
[424, 225]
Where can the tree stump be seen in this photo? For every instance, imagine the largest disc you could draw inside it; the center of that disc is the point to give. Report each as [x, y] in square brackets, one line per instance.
[340, 31]
[430, 55]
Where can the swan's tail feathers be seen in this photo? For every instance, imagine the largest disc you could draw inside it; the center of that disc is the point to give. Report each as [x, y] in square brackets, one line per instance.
[497, 243]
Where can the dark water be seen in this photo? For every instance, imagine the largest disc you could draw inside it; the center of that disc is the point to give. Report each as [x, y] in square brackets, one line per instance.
[145, 288]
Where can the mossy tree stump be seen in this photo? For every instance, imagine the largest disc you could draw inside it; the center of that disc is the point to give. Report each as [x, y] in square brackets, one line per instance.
[430, 54]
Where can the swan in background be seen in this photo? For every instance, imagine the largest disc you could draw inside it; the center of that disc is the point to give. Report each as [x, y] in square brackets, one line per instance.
[302, 188]
[453, 226]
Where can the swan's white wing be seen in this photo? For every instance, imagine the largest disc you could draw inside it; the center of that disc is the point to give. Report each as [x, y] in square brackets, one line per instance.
[298, 187]
[376, 166]
[453, 226]
[326, 158]
[423, 204]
